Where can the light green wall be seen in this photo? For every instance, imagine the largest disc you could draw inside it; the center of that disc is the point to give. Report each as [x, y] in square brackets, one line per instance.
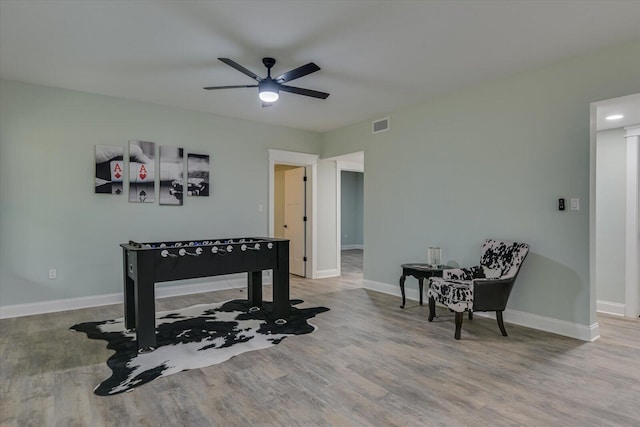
[351, 207]
[611, 194]
[51, 218]
[492, 161]
[327, 244]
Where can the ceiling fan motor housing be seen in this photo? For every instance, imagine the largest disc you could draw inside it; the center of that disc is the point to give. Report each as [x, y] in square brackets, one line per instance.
[269, 62]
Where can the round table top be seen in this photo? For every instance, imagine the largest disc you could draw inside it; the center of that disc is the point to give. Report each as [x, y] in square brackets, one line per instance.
[425, 266]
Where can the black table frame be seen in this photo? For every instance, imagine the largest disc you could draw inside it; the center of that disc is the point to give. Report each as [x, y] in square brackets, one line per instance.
[144, 265]
[419, 271]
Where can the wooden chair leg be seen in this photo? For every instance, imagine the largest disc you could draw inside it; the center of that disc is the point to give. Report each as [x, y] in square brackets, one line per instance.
[470, 315]
[501, 323]
[459, 317]
[432, 308]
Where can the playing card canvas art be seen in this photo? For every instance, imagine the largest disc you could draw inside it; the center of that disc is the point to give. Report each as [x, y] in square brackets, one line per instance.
[109, 169]
[142, 171]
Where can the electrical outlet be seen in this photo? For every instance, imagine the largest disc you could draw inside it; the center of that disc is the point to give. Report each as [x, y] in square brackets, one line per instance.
[53, 273]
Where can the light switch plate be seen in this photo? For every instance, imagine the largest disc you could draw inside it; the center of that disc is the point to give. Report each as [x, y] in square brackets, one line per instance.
[575, 204]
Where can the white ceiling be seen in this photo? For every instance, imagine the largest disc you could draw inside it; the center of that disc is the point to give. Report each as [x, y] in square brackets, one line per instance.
[376, 56]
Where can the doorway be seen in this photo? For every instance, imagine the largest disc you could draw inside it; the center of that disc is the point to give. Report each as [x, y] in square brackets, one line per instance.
[350, 215]
[290, 213]
[303, 251]
[614, 206]
[351, 223]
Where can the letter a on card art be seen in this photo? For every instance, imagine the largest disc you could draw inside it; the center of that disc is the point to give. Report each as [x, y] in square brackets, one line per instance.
[116, 171]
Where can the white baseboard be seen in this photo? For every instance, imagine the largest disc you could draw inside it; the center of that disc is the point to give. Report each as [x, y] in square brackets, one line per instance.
[323, 274]
[347, 247]
[411, 293]
[547, 324]
[19, 310]
[385, 288]
[610, 308]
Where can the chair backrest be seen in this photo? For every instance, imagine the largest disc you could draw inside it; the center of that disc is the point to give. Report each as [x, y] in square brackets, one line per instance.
[503, 256]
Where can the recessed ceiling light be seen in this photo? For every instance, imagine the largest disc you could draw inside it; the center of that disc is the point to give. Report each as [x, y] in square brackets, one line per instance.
[614, 117]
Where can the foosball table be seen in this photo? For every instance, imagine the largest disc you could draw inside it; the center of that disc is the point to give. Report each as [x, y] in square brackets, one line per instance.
[146, 264]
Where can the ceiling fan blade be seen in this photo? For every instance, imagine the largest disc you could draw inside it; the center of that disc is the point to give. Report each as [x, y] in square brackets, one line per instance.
[306, 92]
[297, 73]
[227, 87]
[240, 68]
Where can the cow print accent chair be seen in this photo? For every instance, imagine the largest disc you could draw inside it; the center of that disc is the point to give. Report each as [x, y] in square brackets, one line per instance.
[484, 287]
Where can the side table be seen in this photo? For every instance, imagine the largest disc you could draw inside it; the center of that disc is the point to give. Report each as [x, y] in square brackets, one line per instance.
[420, 271]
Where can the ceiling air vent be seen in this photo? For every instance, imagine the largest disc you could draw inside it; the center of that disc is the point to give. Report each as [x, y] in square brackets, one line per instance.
[380, 125]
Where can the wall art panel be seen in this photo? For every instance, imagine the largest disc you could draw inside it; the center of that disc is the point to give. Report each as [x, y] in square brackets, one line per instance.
[109, 169]
[142, 171]
[171, 176]
[198, 175]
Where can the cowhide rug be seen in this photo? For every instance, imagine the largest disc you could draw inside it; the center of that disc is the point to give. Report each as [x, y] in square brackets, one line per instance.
[190, 338]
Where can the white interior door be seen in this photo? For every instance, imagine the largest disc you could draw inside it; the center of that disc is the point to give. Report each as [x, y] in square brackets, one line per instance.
[294, 197]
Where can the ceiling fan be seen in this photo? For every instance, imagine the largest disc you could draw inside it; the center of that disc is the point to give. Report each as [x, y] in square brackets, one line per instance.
[269, 88]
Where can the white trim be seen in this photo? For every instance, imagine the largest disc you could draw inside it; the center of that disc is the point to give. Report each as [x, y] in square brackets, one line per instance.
[607, 307]
[632, 130]
[593, 137]
[298, 159]
[547, 324]
[350, 166]
[632, 228]
[338, 216]
[19, 310]
[323, 274]
[347, 247]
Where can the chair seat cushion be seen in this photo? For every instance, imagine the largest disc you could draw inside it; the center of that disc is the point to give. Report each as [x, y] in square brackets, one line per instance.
[455, 294]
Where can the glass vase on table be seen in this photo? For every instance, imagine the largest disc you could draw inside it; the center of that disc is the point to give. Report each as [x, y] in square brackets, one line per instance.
[434, 257]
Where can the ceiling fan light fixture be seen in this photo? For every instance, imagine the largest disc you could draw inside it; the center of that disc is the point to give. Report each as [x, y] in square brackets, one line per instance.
[268, 91]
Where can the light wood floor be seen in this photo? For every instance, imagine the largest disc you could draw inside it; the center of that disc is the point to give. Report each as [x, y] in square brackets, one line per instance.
[370, 363]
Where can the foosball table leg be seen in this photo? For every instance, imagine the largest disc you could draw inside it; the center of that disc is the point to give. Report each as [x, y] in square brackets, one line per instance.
[254, 288]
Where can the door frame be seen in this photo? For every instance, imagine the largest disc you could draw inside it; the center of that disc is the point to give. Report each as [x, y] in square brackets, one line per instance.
[310, 161]
[632, 227]
[342, 165]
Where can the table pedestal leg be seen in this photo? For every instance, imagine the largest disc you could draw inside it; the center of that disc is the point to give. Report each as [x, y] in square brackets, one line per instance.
[421, 286]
